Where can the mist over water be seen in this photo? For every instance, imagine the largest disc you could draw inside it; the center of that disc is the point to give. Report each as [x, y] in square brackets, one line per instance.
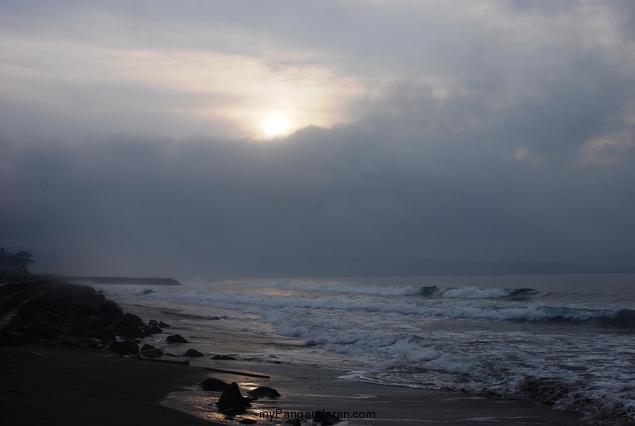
[565, 341]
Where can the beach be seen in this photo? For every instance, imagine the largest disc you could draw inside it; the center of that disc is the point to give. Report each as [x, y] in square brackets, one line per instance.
[47, 382]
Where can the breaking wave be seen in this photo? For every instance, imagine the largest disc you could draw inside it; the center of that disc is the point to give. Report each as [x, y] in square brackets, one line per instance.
[458, 293]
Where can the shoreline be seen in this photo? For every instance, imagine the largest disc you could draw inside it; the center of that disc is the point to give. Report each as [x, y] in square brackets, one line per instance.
[315, 388]
[64, 385]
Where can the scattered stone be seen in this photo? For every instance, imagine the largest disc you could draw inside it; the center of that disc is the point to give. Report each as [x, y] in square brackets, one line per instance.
[263, 392]
[214, 385]
[325, 418]
[193, 353]
[164, 325]
[124, 348]
[176, 338]
[232, 399]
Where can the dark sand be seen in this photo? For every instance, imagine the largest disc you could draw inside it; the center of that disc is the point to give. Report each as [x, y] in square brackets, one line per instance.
[68, 386]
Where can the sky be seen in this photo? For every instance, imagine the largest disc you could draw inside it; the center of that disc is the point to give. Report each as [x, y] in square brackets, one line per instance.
[198, 138]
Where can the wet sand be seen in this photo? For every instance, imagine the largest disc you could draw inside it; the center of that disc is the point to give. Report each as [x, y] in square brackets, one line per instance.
[306, 389]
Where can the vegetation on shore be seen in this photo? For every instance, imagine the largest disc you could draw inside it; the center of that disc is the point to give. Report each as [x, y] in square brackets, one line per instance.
[15, 263]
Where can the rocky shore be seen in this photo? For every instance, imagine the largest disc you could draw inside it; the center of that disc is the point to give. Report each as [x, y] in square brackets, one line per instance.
[70, 353]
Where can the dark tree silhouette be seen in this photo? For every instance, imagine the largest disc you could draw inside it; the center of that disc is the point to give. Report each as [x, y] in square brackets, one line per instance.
[17, 263]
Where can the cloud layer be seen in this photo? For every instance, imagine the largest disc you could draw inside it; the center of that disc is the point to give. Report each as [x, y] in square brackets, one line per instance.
[493, 131]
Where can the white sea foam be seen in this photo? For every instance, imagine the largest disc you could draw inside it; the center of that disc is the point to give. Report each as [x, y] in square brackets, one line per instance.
[474, 293]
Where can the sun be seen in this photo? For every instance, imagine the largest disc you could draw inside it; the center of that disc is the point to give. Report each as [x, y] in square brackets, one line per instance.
[276, 125]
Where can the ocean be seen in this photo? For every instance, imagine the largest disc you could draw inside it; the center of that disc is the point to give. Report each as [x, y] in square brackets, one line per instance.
[566, 341]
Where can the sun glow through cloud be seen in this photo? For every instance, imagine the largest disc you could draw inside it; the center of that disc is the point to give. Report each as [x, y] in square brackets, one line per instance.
[261, 101]
[276, 125]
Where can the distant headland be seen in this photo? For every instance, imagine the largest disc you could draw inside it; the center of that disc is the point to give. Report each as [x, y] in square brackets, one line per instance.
[123, 280]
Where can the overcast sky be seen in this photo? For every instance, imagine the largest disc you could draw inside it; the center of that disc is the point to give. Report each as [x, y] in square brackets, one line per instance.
[165, 138]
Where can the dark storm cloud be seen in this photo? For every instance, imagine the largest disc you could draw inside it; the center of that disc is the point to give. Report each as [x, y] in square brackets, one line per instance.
[503, 131]
[201, 206]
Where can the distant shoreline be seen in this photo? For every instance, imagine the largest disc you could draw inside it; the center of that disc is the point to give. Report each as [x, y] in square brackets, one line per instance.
[123, 280]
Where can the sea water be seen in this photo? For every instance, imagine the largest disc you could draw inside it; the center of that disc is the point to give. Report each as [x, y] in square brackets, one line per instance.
[567, 341]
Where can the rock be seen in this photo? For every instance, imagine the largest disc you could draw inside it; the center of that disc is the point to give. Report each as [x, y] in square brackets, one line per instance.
[93, 345]
[124, 348]
[154, 322]
[164, 325]
[232, 399]
[8, 339]
[150, 351]
[176, 338]
[110, 309]
[72, 344]
[193, 353]
[262, 392]
[325, 418]
[106, 335]
[152, 329]
[223, 357]
[247, 422]
[79, 331]
[293, 422]
[129, 326]
[214, 385]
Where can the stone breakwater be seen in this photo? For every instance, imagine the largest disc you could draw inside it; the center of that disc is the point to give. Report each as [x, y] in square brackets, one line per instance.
[78, 316]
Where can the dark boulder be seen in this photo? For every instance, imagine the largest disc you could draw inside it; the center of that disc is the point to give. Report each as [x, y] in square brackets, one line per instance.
[152, 329]
[263, 392]
[176, 338]
[129, 326]
[213, 385]
[232, 399]
[8, 339]
[163, 325]
[150, 351]
[325, 418]
[105, 334]
[193, 353]
[124, 348]
[72, 344]
[80, 331]
[110, 309]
